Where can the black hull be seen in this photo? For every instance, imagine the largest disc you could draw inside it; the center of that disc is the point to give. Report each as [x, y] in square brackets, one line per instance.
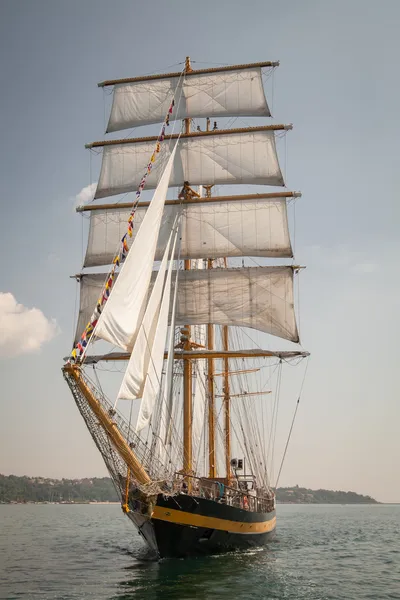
[182, 526]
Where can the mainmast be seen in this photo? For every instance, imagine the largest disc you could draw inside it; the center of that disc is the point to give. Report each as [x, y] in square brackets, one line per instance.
[187, 364]
[212, 470]
[227, 408]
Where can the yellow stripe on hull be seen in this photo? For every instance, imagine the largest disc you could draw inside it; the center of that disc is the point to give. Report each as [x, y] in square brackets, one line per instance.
[185, 518]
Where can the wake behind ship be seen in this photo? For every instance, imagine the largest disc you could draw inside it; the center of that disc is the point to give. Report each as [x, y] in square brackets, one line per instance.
[187, 283]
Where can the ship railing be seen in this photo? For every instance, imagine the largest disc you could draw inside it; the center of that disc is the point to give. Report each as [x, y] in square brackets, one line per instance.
[224, 494]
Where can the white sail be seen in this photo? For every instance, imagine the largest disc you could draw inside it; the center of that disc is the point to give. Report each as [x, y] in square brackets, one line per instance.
[167, 403]
[199, 407]
[123, 312]
[225, 94]
[133, 382]
[152, 384]
[256, 297]
[247, 157]
[255, 227]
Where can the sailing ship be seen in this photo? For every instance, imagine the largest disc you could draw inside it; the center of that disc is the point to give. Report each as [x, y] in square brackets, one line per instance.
[185, 441]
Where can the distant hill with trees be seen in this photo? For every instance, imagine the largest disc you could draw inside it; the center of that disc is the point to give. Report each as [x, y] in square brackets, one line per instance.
[298, 495]
[41, 489]
[101, 489]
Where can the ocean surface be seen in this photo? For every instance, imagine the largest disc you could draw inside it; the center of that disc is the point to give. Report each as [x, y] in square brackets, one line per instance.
[67, 552]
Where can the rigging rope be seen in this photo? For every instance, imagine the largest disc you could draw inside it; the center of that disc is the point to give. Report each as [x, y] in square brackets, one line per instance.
[79, 350]
[291, 427]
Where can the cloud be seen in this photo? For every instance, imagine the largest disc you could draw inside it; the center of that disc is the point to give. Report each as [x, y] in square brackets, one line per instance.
[86, 194]
[22, 329]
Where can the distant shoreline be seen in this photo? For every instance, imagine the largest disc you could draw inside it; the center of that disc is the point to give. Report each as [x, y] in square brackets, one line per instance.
[101, 490]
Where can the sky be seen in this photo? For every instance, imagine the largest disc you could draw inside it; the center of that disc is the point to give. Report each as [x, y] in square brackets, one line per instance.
[337, 83]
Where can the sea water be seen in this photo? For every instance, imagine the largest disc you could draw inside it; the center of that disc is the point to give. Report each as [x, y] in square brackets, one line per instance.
[66, 552]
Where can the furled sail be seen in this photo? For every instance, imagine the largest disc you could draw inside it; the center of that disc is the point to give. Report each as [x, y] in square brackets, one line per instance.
[245, 157]
[225, 94]
[256, 227]
[256, 297]
[123, 312]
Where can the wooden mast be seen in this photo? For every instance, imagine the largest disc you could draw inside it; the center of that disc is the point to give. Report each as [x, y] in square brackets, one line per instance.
[212, 470]
[187, 366]
[187, 372]
[226, 401]
[227, 406]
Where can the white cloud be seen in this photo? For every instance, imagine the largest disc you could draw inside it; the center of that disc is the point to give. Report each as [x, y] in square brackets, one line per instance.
[86, 194]
[22, 329]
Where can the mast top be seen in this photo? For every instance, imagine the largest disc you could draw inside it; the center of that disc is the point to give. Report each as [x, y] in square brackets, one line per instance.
[188, 72]
[188, 67]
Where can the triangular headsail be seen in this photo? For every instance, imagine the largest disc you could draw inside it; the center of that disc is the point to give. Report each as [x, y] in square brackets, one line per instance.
[138, 366]
[121, 317]
[152, 386]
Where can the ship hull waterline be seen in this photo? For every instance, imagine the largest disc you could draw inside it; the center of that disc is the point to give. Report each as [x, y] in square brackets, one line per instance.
[181, 526]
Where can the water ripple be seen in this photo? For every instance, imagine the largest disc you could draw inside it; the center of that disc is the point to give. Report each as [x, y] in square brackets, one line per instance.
[57, 552]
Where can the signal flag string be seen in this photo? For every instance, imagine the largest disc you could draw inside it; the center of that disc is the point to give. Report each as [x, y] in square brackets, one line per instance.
[80, 347]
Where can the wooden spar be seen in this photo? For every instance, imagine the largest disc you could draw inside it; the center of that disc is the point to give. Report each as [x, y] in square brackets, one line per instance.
[189, 72]
[244, 394]
[198, 354]
[230, 373]
[226, 401]
[193, 134]
[121, 445]
[295, 268]
[187, 373]
[192, 200]
[212, 471]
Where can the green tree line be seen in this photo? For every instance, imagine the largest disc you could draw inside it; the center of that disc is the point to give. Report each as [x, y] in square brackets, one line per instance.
[101, 489]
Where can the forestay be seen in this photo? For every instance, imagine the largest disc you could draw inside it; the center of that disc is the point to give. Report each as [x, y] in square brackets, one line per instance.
[256, 297]
[256, 227]
[225, 94]
[227, 158]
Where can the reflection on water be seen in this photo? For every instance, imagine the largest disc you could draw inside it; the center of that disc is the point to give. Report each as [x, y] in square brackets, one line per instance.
[56, 552]
[201, 578]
